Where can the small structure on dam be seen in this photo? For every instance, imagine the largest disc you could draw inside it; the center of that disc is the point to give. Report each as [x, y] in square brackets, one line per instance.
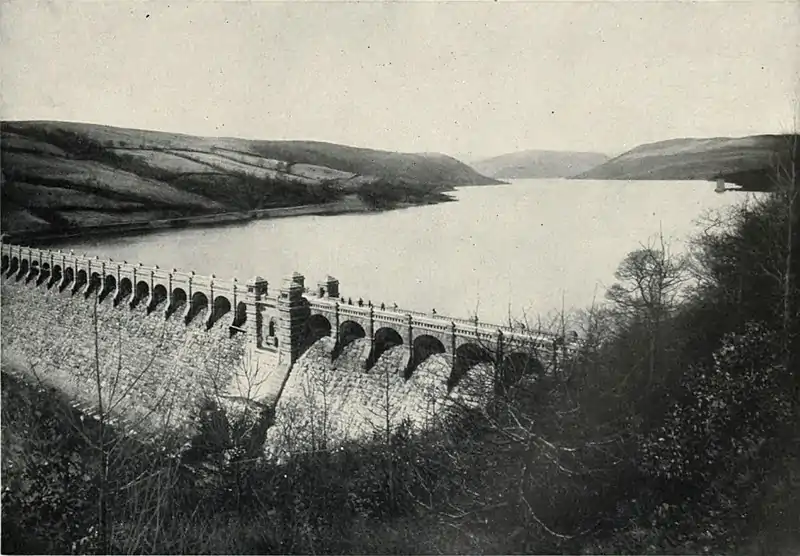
[278, 327]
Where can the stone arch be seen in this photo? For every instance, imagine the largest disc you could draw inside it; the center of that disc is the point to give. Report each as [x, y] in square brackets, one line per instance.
[109, 286]
[316, 327]
[177, 300]
[517, 365]
[95, 284]
[467, 356]
[13, 267]
[33, 272]
[197, 304]
[141, 292]
[219, 309]
[423, 347]
[240, 317]
[159, 295]
[56, 276]
[44, 274]
[124, 290]
[69, 278]
[81, 279]
[349, 331]
[385, 338]
[5, 263]
[24, 267]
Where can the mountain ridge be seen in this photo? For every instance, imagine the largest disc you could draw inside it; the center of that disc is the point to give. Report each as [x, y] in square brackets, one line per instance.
[751, 161]
[538, 163]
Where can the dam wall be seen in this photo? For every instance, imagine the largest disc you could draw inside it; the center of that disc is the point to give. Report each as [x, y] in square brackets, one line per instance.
[164, 341]
[151, 368]
[330, 399]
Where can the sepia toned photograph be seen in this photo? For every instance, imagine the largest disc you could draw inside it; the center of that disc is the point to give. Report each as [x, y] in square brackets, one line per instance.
[400, 277]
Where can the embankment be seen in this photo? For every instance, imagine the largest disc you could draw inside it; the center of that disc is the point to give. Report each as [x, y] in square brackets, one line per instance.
[152, 369]
[40, 237]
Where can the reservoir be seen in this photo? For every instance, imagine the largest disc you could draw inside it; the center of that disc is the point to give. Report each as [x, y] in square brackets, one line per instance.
[521, 251]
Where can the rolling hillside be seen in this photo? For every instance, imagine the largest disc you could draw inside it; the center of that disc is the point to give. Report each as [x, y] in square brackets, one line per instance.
[750, 162]
[63, 176]
[539, 164]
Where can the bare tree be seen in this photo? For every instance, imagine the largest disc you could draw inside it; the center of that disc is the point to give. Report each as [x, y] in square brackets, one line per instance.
[650, 283]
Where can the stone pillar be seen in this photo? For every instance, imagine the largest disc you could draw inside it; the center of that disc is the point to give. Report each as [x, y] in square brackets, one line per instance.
[328, 287]
[336, 324]
[211, 307]
[101, 291]
[49, 282]
[410, 339]
[151, 295]
[256, 290]
[63, 282]
[499, 379]
[75, 269]
[235, 307]
[371, 327]
[452, 355]
[292, 315]
[102, 275]
[119, 293]
[299, 279]
[170, 301]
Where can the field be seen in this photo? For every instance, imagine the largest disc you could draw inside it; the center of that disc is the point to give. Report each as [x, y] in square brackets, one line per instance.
[65, 176]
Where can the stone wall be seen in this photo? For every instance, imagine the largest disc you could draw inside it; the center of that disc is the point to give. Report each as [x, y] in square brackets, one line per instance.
[153, 370]
[326, 402]
[163, 368]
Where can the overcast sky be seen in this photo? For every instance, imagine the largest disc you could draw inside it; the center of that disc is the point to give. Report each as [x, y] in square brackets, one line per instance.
[470, 77]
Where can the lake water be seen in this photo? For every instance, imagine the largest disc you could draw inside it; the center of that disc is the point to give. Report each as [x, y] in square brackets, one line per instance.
[523, 249]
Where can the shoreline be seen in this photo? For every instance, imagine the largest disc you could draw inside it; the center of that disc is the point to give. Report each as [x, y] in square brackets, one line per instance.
[344, 206]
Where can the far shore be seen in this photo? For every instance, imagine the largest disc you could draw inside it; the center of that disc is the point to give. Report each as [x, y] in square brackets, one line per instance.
[344, 206]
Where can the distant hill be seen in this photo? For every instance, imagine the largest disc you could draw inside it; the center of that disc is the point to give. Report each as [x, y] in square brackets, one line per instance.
[747, 161]
[67, 176]
[538, 164]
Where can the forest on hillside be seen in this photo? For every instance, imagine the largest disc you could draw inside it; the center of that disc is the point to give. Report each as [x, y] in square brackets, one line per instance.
[675, 429]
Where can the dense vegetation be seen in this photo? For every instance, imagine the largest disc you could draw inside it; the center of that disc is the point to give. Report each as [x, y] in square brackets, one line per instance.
[674, 430]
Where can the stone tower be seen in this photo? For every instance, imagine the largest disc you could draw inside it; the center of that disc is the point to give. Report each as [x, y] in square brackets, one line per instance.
[293, 312]
[257, 289]
[328, 287]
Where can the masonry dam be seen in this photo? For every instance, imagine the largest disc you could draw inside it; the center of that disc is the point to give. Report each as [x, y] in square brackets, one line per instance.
[174, 337]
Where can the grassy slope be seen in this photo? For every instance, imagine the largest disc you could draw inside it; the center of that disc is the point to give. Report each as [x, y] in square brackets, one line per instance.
[539, 164]
[64, 175]
[746, 161]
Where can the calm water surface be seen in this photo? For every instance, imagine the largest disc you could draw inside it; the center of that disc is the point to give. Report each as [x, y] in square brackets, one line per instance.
[522, 249]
